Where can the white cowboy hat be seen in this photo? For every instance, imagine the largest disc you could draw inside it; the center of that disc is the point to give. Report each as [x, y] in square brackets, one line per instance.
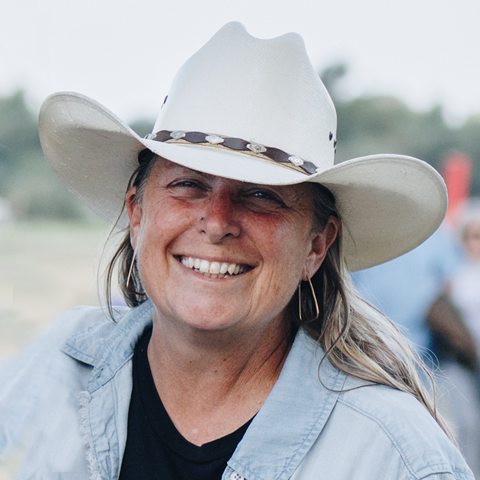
[252, 110]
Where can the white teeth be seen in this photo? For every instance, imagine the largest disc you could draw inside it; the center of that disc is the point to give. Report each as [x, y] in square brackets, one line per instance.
[224, 268]
[214, 269]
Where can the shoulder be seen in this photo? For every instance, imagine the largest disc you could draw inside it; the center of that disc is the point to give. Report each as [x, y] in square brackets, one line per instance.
[399, 431]
[81, 330]
[44, 354]
[42, 379]
[80, 318]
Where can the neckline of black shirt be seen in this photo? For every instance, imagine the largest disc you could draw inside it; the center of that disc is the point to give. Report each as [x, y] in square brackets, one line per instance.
[163, 425]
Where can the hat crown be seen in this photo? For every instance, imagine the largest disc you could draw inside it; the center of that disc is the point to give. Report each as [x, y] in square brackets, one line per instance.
[263, 91]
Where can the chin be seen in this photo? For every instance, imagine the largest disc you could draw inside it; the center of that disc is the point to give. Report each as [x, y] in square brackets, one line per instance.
[211, 323]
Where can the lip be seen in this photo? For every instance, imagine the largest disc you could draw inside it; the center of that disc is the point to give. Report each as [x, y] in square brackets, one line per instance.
[214, 268]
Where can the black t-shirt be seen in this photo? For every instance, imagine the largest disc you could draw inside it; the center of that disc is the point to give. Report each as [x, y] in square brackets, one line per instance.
[155, 449]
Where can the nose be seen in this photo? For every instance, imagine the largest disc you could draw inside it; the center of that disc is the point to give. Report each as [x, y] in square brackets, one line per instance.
[220, 218]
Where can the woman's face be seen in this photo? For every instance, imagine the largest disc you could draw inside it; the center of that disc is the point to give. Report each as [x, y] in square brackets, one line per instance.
[215, 253]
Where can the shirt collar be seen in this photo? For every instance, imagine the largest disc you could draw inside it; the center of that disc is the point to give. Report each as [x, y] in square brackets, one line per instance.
[293, 415]
[108, 345]
[286, 426]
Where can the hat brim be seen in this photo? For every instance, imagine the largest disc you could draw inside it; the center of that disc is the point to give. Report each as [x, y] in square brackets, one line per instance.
[389, 203]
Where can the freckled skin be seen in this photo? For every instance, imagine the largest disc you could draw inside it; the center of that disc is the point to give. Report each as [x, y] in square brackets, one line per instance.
[265, 227]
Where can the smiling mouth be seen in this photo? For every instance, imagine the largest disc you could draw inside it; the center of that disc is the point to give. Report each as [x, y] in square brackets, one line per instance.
[214, 269]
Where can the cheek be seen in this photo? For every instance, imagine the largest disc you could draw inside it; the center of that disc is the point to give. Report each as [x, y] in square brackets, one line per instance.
[288, 242]
[161, 224]
[285, 251]
[156, 234]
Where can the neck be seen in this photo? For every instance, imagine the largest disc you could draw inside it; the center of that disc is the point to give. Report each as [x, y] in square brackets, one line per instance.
[211, 383]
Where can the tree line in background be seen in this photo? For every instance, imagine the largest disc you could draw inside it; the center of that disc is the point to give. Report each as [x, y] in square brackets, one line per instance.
[366, 125]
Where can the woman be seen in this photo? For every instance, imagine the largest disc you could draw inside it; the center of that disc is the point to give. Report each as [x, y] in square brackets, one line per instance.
[246, 353]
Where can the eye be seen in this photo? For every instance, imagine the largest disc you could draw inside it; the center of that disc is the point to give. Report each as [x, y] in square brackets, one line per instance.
[187, 188]
[186, 183]
[265, 196]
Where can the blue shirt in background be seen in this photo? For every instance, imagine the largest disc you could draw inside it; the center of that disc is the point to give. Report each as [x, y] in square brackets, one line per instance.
[405, 288]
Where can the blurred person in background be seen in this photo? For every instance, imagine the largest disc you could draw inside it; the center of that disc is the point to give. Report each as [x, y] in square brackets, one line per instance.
[464, 285]
[405, 288]
[245, 353]
[459, 359]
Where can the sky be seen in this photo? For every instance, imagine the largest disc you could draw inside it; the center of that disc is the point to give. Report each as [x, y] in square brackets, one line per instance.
[125, 53]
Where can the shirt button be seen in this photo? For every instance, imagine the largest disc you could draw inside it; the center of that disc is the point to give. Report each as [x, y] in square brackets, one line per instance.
[236, 476]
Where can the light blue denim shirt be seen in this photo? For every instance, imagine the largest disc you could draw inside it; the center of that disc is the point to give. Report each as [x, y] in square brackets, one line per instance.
[64, 404]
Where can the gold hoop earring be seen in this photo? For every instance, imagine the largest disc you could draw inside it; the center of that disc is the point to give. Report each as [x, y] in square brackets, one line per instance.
[300, 301]
[127, 286]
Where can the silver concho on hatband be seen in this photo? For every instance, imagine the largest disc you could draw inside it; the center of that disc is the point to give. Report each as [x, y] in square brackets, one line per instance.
[268, 153]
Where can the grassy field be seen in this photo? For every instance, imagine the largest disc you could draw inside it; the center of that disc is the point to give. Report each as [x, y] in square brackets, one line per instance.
[44, 268]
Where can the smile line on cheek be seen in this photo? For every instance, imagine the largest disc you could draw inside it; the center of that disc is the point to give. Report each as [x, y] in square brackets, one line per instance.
[213, 269]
